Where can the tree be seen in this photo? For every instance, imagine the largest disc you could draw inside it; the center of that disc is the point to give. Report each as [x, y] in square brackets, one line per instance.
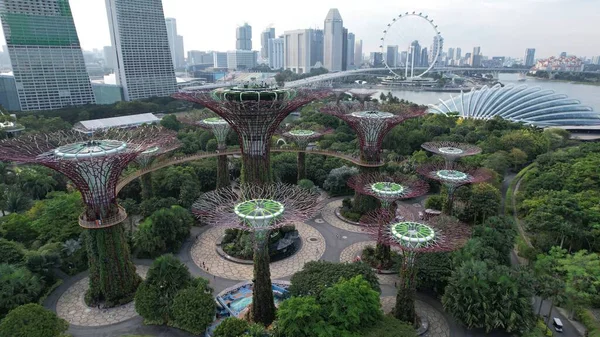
[352, 304]
[18, 227]
[170, 122]
[316, 276]
[194, 307]
[517, 158]
[302, 317]
[164, 231]
[231, 327]
[337, 178]
[433, 271]
[484, 201]
[390, 327]
[18, 286]
[14, 200]
[154, 297]
[498, 161]
[56, 218]
[37, 182]
[32, 320]
[11, 252]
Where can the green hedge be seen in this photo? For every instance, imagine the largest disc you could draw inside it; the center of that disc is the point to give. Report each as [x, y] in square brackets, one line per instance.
[590, 323]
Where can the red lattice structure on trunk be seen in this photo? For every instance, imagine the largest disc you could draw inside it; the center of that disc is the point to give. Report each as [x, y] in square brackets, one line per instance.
[254, 113]
[453, 176]
[93, 163]
[372, 121]
[440, 234]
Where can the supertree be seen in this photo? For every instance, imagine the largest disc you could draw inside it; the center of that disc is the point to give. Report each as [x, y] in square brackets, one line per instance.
[451, 151]
[146, 158]
[362, 95]
[387, 189]
[302, 138]
[453, 176]
[371, 121]
[440, 234]
[255, 114]
[258, 208]
[220, 128]
[94, 164]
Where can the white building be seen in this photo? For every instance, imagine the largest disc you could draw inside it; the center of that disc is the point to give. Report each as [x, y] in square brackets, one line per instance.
[144, 64]
[297, 50]
[241, 59]
[358, 54]
[45, 53]
[175, 43]
[333, 41]
[276, 48]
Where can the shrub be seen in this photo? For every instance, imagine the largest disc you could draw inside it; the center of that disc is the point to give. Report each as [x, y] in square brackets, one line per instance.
[231, 327]
[17, 286]
[32, 320]
[164, 231]
[194, 308]
[390, 327]
[11, 252]
[306, 184]
[301, 317]
[316, 276]
[351, 215]
[435, 202]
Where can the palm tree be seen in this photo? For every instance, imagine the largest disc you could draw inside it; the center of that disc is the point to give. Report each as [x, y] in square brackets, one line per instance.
[15, 200]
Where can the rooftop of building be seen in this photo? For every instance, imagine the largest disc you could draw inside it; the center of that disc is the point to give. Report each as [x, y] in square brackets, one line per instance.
[116, 122]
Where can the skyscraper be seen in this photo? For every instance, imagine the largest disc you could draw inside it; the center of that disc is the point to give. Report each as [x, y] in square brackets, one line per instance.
[458, 53]
[333, 41]
[144, 63]
[436, 47]
[563, 54]
[476, 57]
[46, 57]
[358, 54]
[175, 43]
[350, 56]
[109, 57]
[265, 36]
[297, 50]
[529, 59]
[243, 36]
[391, 56]
[316, 47]
[276, 53]
[450, 53]
[424, 58]
[414, 58]
[345, 49]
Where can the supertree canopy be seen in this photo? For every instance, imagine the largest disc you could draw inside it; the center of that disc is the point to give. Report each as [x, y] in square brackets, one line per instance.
[220, 128]
[440, 234]
[387, 189]
[145, 159]
[255, 114]
[258, 208]
[453, 176]
[94, 164]
[362, 94]
[371, 122]
[302, 138]
[451, 150]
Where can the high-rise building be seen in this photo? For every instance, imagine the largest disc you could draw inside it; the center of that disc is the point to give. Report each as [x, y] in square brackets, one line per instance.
[197, 57]
[376, 59]
[9, 98]
[391, 56]
[243, 36]
[316, 48]
[596, 60]
[109, 57]
[46, 57]
[529, 59]
[475, 60]
[241, 59]
[139, 36]
[298, 50]
[350, 54]
[276, 49]
[563, 54]
[333, 41]
[403, 58]
[424, 58]
[450, 53]
[345, 49]
[358, 54]
[414, 57]
[175, 43]
[458, 53]
[265, 36]
[220, 60]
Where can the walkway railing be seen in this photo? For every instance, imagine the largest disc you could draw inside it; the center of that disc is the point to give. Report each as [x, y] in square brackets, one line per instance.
[103, 223]
[201, 155]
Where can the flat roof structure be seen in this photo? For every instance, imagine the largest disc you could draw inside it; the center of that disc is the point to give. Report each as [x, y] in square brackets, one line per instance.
[130, 121]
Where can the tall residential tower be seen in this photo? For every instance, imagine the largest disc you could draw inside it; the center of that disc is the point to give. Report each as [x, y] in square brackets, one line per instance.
[139, 36]
[243, 37]
[45, 54]
[333, 41]
[175, 43]
[529, 59]
[265, 36]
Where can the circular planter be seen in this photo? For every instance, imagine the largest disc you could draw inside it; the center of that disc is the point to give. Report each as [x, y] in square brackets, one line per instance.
[341, 217]
[223, 254]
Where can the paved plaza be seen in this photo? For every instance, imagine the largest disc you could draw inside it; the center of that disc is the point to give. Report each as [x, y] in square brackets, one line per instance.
[438, 326]
[71, 306]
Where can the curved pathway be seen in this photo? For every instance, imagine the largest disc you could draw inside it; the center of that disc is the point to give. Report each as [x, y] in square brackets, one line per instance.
[329, 216]
[350, 253]
[204, 251]
[438, 325]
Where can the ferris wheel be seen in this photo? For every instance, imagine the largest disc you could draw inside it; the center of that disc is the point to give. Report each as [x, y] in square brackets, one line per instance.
[390, 36]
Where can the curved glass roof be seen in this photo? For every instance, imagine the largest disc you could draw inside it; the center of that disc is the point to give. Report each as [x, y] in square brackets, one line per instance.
[519, 103]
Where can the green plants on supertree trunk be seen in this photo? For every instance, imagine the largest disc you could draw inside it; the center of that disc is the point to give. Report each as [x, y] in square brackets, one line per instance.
[113, 279]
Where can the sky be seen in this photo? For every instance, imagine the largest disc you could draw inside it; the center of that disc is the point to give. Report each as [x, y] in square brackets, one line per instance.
[500, 27]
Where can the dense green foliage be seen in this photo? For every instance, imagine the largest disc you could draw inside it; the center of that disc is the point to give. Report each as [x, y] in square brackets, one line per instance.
[32, 320]
[193, 308]
[390, 327]
[164, 231]
[231, 327]
[18, 286]
[316, 276]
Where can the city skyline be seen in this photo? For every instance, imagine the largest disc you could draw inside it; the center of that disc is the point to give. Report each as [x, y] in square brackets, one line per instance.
[539, 31]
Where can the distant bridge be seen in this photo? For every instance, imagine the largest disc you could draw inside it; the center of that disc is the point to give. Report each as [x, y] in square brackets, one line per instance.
[202, 155]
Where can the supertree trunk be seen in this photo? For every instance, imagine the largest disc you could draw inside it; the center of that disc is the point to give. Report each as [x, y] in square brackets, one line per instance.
[301, 166]
[450, 199]
[256, 169]
[383, 251]
[364, 203]
[263, 303]
[405, 298]
[222, 168]
[146, 184]
[113, 278]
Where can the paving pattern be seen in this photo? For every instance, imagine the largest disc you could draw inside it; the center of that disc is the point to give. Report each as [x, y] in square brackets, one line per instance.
[350, 253]
[204, 251]
[71, 306]
[328, 214]
[438, 326]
